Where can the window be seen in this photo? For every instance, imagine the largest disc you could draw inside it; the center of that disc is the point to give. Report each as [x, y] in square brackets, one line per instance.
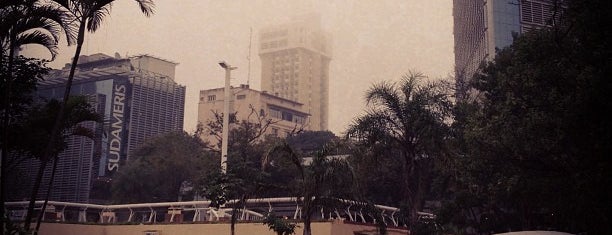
[287, 116]
[241, 97]
[275, 113]
[212, 97]
[275, 131]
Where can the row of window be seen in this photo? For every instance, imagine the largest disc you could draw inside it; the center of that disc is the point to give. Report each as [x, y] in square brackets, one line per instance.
[287, 116]
[538, 12]
[273, 34]
[274, 44]
[214, 97]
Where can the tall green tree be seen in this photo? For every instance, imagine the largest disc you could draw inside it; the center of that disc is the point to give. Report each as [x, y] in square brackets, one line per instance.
[535, 147]
[25, 74]
[35, 130]
[244, 178]
[87, 15]
[163, 169]
[317, 184]
[21, 23]
[410, 118]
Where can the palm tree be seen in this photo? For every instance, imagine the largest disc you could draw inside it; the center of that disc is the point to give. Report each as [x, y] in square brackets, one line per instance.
[411, 118]
[36, 130]
[321, 181]
[30, 22]
[24, 22]
[88, 15]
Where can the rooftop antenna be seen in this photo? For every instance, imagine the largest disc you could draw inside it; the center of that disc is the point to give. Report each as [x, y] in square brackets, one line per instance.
[249, 56]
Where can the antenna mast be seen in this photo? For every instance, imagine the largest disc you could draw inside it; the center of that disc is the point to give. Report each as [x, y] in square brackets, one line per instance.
[249, 56]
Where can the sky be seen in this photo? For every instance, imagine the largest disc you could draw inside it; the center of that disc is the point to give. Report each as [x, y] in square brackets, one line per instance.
[372, 41]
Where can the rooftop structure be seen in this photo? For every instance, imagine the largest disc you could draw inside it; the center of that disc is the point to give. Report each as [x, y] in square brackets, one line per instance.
[138, 98]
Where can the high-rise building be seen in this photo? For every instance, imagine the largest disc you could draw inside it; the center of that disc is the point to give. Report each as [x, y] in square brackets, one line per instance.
[295, 61]
[138, 98]
[482, 26]
[286, 116]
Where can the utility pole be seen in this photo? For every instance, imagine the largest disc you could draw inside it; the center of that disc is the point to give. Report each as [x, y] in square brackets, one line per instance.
[225, 136]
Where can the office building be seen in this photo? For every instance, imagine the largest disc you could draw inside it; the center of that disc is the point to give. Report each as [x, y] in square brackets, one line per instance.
[482, 26]
[286, 116]
[295, 61]
[138, 98]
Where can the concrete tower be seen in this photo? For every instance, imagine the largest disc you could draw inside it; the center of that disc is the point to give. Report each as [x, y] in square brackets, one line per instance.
[295, 65]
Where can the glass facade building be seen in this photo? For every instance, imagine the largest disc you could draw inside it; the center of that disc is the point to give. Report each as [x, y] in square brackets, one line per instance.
[137, 100]
[483, 26]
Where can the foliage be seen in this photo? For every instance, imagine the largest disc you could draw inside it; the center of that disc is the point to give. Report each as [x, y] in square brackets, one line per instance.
[408, 122]
[316, 184]
[533, 151]
[26, 73]
[279, 225]
[244, 177]
[30, 22]
[33, 129]
[310, 141]
[160, 168]
[22, 23]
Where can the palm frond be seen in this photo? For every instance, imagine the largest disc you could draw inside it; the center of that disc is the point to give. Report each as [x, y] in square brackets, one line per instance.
[385, 96]
[79, 130]
[58, 17]
[147, 7]
[96, 17]
[37, 37]
[410, 82]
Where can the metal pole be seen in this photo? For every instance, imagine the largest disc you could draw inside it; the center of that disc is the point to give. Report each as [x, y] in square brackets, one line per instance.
[226, 110]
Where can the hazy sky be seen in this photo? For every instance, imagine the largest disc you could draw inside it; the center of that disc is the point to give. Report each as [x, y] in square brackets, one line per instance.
[372, 41]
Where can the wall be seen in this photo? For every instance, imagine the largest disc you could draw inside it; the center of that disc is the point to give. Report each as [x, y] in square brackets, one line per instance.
[318, 228]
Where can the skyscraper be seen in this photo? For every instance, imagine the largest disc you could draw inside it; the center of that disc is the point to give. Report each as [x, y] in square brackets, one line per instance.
[482, 26]
[295, 61]
[138, 98]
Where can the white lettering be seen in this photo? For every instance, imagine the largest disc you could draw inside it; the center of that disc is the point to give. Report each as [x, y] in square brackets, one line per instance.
[116, 128]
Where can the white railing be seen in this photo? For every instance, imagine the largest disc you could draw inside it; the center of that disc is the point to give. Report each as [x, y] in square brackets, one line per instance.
[177, 212]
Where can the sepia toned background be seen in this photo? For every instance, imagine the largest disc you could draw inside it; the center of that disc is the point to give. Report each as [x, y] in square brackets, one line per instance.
[371, 41]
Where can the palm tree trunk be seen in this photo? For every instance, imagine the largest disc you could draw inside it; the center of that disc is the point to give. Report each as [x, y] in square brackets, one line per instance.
[233, 219]
[49, 186]
[308, 208]
[5, 126]
[58, 120]
[307, 227]
[39, 176]
[60, 116]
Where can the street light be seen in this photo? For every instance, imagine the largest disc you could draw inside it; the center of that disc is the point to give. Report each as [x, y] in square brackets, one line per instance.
[225, 136]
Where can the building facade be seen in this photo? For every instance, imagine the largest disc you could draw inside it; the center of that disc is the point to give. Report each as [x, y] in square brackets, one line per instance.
[483, 26]
[286, 116]
[295, 61]
[138, 99]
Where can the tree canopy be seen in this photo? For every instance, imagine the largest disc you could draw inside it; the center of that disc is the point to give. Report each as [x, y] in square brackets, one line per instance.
[162, 168]
[408, 121]
[534, 148]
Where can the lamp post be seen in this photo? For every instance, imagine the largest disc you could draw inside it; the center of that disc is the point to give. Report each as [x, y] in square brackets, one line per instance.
[225, 135]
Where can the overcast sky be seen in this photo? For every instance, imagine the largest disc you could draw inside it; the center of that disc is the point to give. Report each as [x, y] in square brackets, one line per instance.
[372, 41]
